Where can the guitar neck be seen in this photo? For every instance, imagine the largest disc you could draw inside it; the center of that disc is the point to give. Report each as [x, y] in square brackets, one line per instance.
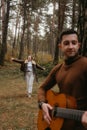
[67, 113]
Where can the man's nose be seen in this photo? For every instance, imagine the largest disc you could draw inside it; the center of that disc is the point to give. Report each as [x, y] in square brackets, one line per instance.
[70, 45]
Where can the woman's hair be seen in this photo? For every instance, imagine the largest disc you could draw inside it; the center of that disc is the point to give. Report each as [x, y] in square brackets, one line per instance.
[32, 57]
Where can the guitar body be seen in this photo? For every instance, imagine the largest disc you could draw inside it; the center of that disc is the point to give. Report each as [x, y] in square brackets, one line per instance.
[55, 99]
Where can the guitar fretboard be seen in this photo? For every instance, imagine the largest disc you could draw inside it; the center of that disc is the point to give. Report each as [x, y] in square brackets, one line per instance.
[67, 113]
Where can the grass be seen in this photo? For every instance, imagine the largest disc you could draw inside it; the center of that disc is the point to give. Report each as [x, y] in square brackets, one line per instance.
[17, 111]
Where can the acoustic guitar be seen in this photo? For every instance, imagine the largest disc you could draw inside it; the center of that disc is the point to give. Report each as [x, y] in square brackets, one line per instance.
[64, 107]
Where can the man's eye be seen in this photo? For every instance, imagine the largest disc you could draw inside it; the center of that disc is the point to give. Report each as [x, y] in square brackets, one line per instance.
[74, 42]
[66, 43]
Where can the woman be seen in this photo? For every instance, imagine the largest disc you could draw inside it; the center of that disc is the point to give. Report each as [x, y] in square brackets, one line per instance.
[29, 67]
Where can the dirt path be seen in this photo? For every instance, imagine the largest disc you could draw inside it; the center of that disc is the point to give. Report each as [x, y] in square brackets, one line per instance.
[17, 111]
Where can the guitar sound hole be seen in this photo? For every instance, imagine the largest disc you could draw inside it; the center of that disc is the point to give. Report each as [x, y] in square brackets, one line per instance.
[48, 128]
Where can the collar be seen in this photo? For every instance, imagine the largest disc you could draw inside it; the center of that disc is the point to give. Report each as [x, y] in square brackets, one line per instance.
[72, 59]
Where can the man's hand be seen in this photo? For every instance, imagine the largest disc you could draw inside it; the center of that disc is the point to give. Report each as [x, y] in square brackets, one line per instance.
[84, 119]
[46, 107]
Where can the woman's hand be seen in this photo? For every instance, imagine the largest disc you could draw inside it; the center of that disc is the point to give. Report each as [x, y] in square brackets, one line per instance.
[46, 107]
[44, 68]
[12, 59]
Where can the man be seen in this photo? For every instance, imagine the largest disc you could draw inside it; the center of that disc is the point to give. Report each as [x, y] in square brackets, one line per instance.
[71, 77]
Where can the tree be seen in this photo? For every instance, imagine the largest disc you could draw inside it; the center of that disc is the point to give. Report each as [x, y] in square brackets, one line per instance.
[61, 18]
[21, 53]
[27, 18]
[82, 26]
[5, 20]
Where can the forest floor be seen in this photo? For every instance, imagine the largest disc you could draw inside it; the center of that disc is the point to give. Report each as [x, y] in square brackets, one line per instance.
[17, 111]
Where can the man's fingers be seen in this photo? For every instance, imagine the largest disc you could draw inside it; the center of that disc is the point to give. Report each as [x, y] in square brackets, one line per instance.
[46, 107]
[84, 119]
[49, 106]
[47, 119]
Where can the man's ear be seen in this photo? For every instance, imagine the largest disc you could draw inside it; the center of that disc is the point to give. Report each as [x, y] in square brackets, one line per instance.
[59, 45]
[79, 45]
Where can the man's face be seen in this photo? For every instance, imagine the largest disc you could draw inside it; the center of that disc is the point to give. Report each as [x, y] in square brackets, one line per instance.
[69, 45]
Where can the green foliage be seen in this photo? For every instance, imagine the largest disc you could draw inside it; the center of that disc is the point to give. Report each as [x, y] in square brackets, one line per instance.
[48, 66]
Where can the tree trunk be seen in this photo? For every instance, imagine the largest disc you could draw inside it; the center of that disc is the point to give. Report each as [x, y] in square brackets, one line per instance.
[21, 53]
[28, 34]
[73, 14]
[5, 19]
[35, 47]
[82, 26]
[14, 42]
[61, 17]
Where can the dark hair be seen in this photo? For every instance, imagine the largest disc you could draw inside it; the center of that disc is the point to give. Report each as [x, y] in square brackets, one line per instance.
[68, 31]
